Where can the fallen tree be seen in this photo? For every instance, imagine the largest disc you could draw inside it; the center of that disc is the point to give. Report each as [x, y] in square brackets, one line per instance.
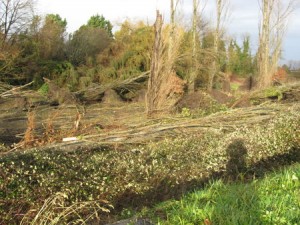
[58, 110]
[159, 129]
[96, 92]
[102, 123]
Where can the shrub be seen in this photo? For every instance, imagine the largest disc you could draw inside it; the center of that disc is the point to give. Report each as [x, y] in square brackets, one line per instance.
[44, 89]
[273, 92]
[185, 112]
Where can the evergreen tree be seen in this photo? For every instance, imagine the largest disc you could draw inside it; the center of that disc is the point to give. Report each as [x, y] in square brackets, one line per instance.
[98, 21]
[246, 58]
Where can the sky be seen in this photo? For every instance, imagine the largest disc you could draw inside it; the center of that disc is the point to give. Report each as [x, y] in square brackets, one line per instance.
[244, 16]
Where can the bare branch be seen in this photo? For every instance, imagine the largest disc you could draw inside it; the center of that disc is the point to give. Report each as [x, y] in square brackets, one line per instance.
[15, 15]
[273, 26]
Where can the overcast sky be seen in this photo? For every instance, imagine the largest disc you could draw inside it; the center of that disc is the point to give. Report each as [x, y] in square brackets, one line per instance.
[243, 20]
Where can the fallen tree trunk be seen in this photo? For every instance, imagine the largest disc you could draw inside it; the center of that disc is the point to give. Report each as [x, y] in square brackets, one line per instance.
[103, 123]
[15, 103]
[96, 92]
[158, 129]
[227, 121]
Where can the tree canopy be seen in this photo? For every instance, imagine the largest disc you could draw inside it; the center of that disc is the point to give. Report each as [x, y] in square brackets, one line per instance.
[98, 21]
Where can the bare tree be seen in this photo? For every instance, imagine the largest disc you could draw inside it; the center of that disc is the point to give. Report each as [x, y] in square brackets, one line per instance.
[273, 25]
[222, 16]
[197, 24]
[294, 65]
[191, 86]
[194, 27]
[15, 15]
[173, 8]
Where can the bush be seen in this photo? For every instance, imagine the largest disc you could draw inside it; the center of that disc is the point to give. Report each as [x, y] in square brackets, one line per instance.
[273, 92]
[44, 89]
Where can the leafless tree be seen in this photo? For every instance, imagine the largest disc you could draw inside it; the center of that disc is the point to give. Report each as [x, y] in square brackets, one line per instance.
[294, 65]
[222, 11]
[15, 15]
[273, 25]
[173, 8]
[198, 8]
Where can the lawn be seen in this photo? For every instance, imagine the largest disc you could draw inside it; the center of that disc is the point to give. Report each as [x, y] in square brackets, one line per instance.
[273, 199]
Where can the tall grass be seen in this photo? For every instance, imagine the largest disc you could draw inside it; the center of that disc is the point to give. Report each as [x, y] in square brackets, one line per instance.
[56, 210]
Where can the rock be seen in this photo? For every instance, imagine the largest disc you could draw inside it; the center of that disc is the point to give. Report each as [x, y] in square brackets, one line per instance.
[131, 221]
[111, 97]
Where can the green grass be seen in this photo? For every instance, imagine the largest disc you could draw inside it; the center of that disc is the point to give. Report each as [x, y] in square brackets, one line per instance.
[275, 199]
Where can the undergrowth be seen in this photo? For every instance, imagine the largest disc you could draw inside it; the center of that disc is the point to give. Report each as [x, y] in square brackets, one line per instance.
[125, 177]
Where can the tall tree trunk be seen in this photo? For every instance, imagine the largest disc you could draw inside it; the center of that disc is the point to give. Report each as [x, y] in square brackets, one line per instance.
[278, 36]
[154, 81]
[273, 26]
[173, 26]
[164, 87]
[264, 48]
[215, 64]
[193, 73]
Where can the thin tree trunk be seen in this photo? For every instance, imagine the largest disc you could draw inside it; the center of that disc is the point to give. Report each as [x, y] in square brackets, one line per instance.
[281, 15]
[277, 49]
[215, 65]
[194, 51]
[172, 31]
[274, 17]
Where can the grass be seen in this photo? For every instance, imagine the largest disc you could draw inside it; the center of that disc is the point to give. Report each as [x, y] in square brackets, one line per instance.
[275, 199]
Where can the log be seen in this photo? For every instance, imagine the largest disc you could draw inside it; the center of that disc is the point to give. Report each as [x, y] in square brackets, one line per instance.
[102, 123]
[227, 121]
[95, 93]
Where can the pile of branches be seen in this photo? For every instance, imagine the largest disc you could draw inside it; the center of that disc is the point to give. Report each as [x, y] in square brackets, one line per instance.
[227, 121]
[154, 172]
[167, 127]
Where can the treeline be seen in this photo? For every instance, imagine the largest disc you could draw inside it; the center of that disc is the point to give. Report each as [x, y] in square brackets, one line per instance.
[37, 47]
[90, 54]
